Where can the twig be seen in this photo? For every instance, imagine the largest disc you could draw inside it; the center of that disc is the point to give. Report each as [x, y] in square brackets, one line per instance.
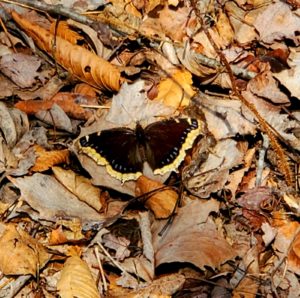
[111, 259]
[56, 9]
[261, 158]
[104, 283]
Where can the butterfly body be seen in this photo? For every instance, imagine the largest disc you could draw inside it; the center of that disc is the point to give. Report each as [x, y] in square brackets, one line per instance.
[124, 151]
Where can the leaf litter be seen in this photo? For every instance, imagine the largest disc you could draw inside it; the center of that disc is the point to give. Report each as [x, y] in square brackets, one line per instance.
[223, 223]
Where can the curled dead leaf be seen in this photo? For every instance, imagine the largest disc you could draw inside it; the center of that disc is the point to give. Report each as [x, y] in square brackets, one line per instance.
[81, 187]
[20, 253]
[192, 237]
[47, 159]
[84, 64]
[63, 30]
[177, 90]
[76, 280]
[159, 199]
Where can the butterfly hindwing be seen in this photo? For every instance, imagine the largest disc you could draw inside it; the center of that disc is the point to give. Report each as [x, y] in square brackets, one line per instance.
[167, 142]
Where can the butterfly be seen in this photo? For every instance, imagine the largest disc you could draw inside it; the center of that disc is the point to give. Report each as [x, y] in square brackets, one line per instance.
[123, 151]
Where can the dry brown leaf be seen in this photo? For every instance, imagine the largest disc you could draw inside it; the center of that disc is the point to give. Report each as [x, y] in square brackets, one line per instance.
[223, 31]
[277, 22]
[46, 159]
[213, 173]
[76, 280]
[177, 90]
[234, 119]
[31, 107]
[64, 31]
[84, 64]
[52, 201]
[163, 287]
[192, 238]
[290, 77]
[66, 232]
[22, 69]
[171, 22]
[247, 288]
[120, 245]
[69, 102]
[57, 236]
[264, 85]
[13, 124]
[56, 117]
[161, 200]
[283, 123]
[20, 253]
[241, 22]
[287, 243]
[85, 90]
[80, 187]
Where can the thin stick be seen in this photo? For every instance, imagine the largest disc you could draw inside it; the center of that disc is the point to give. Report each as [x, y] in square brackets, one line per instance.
[111, 259]
[104, 283]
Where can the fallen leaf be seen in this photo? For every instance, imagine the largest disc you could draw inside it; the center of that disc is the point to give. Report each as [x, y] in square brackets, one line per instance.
[118, 244]
[84, 64]
[56, 117]
[81, 187]
[287, 244]
[53, 201]
[192, 238]
[69, 102]
[22, 69]
[277, 22]
[76, 280]
[20, 254]
[212, 174]
[157, 198]
[264, 85]
[63, 30]
[176, 91]
[46, 159]
[290, 77]
[68, 231]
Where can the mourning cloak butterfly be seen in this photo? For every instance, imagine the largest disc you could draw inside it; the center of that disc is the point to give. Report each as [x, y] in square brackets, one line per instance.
[123, 150]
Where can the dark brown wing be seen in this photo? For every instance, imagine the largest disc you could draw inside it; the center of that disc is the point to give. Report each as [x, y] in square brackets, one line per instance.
[166, 142]
[118, 147]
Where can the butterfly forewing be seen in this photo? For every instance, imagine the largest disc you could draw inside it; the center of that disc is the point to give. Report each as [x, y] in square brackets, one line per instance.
[118, 147]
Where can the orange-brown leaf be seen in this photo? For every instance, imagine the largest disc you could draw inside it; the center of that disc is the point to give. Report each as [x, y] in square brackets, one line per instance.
[82, 63]
[47, 159]
[162, 201]
[31, 107]
[177, 90]
[20, 253]
[64, 31]
[67, 101]
[85, 89]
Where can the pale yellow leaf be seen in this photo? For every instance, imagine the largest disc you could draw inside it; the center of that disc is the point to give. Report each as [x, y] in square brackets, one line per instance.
[177, 90]
[76, 280]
